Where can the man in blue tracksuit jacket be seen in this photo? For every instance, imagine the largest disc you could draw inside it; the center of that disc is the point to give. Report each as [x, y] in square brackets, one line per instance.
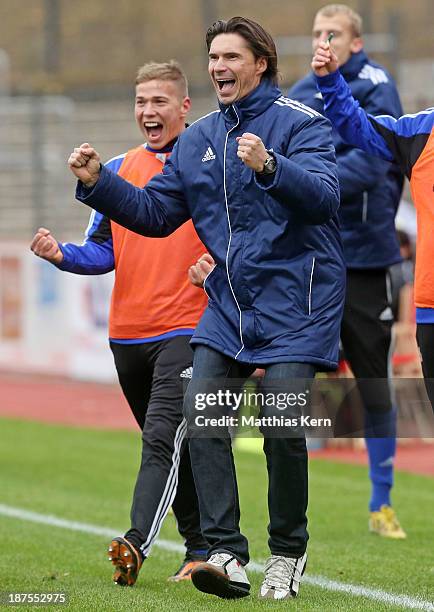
[258, 178]
[370, 194]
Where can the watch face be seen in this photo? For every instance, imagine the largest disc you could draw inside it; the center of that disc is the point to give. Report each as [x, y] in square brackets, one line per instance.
[270, 165]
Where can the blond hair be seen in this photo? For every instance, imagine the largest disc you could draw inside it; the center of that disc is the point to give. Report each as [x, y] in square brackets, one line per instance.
[165, 71]
[356, 22]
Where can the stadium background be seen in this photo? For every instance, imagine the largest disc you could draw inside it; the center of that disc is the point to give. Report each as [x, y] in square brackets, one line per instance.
[66, 74]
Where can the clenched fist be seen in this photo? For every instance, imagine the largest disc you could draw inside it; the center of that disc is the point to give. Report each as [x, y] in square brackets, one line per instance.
[46, 246]
[251, 151]
[84, 162]
[325, 60]
[200, 270]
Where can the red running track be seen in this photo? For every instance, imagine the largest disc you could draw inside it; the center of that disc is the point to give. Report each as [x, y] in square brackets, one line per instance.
[60, 400]
[414, 457]
[57, 400]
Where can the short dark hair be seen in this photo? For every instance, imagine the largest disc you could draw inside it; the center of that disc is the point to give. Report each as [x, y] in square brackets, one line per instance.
[258, 40]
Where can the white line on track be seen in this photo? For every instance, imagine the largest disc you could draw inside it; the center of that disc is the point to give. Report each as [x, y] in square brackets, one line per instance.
[403, 601]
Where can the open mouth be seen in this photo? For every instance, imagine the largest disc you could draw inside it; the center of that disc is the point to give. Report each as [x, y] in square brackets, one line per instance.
[225, 85]
[153, 130]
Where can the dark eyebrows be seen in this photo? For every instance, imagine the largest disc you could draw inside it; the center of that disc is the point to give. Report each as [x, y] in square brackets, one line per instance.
[226, 54]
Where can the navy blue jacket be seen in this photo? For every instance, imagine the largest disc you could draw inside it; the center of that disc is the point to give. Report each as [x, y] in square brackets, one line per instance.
[370, 189]
[277, 291]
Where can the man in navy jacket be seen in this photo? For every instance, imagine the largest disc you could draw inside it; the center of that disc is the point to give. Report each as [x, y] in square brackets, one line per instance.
[370, 193]
[258, 179]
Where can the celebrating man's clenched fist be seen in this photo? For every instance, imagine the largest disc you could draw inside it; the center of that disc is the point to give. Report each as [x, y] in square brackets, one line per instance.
[251, 151]
[84, 162]
[46, 246]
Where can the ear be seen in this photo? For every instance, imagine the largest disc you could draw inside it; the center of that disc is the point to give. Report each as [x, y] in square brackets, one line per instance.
[185, 106]
[261, 65]
[356, 45]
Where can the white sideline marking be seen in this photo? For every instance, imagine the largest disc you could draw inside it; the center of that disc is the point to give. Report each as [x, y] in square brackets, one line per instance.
[403, 601]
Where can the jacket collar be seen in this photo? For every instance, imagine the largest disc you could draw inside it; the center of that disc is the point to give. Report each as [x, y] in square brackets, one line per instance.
[354, 65]
[167, 149]
[253, 104]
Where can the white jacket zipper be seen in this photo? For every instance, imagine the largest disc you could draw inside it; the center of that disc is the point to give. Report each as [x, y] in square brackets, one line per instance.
[230, 230]
[310, 286]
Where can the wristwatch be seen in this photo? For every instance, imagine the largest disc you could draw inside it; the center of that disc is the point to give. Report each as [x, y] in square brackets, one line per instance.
[270, 164]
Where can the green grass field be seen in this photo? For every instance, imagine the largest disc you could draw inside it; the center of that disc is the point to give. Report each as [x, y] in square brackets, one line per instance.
[88, 476]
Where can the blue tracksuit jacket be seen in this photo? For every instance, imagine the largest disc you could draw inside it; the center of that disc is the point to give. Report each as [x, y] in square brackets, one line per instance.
[409, 141]
[277, 291]
[370, 188]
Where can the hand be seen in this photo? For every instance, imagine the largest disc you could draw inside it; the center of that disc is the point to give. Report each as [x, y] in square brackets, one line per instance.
[251, 151]
[325, 60]
[200, 270]
[84, 162]
[46, 246]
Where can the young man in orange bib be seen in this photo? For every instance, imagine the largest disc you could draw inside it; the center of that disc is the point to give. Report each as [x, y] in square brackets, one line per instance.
[154, 311]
